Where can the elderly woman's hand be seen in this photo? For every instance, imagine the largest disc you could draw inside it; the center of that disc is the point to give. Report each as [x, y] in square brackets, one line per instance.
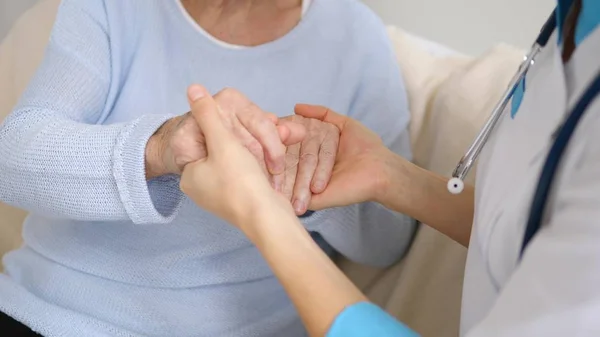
[237, 187]
[315, 158]
[181, 140]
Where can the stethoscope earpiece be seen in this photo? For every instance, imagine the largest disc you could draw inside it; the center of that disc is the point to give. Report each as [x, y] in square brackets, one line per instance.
[455, 186]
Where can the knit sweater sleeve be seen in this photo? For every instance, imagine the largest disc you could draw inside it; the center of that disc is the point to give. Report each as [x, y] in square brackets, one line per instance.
[57, 158]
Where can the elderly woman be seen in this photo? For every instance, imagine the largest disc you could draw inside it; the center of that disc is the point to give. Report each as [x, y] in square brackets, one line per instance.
[95, 147]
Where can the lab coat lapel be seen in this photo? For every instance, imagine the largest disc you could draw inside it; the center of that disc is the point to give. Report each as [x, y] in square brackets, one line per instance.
[564, 89]
[523, 138]
[526, 141]
[547, 108]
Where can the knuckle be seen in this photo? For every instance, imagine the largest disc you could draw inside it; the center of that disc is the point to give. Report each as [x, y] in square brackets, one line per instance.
[317, 128]
[260, 125]
[327, 153]
[297, 119]
[254, 147]
[332, 129]
[315, 123]
[179, 134]
[229, 95]
[309, 159]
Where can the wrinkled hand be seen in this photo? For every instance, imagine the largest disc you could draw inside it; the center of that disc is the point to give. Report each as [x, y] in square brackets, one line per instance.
[237, 186]
[181, 140]
[315, 157]
[360, 171]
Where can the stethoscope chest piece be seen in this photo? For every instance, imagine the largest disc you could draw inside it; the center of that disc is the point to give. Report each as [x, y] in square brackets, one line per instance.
[455, 186]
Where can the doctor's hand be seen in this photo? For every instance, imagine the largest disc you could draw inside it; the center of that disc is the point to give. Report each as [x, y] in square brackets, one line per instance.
[181, 140]
[310, 163]
[361, 166]
[237, 187]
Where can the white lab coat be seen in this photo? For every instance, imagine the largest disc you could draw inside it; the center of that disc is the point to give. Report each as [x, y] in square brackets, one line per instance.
[555, 289]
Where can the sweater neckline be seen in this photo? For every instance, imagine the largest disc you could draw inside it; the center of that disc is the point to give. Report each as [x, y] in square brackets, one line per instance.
[287, 40]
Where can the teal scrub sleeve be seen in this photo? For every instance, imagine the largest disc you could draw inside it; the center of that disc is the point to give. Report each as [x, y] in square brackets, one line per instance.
[368, 320]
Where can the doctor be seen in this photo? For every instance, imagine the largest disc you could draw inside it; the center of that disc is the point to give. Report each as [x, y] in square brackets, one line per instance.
[553, 289]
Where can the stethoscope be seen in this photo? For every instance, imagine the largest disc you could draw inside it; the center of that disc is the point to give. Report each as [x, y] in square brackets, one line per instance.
[560, 139]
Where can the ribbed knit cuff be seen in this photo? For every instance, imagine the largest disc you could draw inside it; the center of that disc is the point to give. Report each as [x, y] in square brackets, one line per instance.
[146, 202]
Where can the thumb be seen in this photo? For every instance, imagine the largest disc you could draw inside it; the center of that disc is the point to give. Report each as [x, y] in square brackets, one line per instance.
[206, 113]
[323, 200]
[335, 196]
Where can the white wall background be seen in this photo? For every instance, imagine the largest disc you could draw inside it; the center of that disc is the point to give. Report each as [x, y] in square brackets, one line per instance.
[10, 11]
[470, 26]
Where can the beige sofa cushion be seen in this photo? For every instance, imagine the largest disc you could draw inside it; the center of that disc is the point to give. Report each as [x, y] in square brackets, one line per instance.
[10, 228]
[20, 53]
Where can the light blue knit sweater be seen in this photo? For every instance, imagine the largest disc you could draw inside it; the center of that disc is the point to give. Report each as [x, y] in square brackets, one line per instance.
[107, 253]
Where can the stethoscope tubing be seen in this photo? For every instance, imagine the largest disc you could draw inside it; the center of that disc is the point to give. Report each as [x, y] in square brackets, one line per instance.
[557, 150]
[456, 184]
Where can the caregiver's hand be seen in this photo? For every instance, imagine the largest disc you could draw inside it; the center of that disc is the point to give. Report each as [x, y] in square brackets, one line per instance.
[238, 188]
[180, 140]
[365, 170]
[360, 171]
[315, 157]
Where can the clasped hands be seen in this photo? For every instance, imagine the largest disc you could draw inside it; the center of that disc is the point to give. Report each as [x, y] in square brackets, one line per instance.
[296, 154]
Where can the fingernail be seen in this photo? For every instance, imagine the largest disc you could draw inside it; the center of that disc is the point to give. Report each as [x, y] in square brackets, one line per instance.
[277, 167]
[299, 207]
[319, 185]
[196, 92]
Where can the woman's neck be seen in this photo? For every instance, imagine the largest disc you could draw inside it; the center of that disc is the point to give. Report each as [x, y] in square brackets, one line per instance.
[245, 22]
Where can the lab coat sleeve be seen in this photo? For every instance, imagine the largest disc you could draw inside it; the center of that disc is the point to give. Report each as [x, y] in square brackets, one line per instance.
[555, 290]
[57, 160]
[380, 102]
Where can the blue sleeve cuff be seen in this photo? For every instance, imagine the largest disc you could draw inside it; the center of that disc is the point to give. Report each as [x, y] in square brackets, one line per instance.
[146, 202]
[368, 320]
